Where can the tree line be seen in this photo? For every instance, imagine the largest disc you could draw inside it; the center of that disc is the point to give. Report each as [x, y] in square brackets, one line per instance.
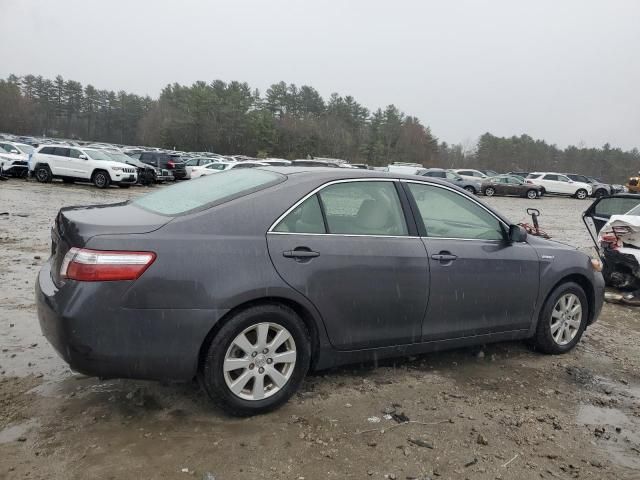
[286, 121]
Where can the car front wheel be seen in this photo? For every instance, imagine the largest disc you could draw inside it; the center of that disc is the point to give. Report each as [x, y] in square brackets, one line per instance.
[101, 179]
[489, 191]
[562, 320]
[531, 194]
[257, 360]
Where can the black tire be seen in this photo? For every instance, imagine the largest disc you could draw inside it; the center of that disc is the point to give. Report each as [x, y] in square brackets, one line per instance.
[470, 189]
[489, 191]
[67, 180]
[101, 179]
[543, 339]
[212, 376]
[581, 194]
[532, 194]
[43, 174]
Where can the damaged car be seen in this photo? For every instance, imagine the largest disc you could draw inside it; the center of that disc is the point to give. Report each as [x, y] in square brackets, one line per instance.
[614, 225]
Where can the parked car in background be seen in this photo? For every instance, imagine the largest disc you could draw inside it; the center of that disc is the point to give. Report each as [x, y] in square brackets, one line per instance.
[509, 185]
[14, 158]
[304, 281]
[599, 189]
[277, 162]
[489, 173]
[211, 168]
[470, 174]
[405, 168]
[614, 225]
[165, 161]
[519, 174]
[471, 186]
[147, 174]
[196, 162]
[559, 184]
[84, 164]
[312, 163]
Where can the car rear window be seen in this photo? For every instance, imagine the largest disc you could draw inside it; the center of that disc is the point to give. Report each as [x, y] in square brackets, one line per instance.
[207, 191]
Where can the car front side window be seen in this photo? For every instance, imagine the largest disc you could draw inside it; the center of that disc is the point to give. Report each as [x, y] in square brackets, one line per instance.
[447, 214]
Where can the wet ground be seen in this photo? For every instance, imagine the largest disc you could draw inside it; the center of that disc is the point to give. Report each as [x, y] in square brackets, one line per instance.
[500, 411]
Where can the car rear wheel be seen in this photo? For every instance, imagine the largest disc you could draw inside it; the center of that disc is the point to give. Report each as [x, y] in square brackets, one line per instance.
[257, 360]
[101, 179]
[43, 174]
[531, 194]
[581, 194]
[489, 191]
[470, 189]
[562, 320]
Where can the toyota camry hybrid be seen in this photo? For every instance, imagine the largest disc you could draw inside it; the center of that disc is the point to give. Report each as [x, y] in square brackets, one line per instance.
[250, 278]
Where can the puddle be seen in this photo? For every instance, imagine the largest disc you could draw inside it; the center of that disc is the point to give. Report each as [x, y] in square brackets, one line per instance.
[13, 432]
[622, 447]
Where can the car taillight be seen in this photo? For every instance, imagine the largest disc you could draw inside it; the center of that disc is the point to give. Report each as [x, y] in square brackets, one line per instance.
[621, 230]
[101, 265]
[171, 164]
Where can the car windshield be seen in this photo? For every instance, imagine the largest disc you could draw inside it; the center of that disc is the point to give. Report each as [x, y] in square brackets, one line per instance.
[26, 149]
[98, 155]
[207, 191]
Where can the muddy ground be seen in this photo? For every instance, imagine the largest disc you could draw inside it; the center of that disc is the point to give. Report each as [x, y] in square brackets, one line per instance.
[499, 411]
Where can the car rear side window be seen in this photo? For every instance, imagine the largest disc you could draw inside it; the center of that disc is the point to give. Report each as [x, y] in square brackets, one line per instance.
[305, 218]
[363, 208]
[534, 175]
[551, 177]
[47, 150]
[207, 191]
[447, 214]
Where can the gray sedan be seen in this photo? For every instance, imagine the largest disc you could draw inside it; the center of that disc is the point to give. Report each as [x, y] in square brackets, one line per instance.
[251, 277]
[471, 186]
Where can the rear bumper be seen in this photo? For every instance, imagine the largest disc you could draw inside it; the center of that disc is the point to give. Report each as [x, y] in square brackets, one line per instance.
[179, 174]
[98, 337]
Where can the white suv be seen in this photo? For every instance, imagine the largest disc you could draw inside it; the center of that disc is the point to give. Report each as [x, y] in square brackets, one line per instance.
[79, 163]
[559, 184]
[14, 158]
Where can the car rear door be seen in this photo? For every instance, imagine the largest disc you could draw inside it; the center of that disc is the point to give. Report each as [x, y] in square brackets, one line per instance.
[59, 162]
[479, 283]
[349, 249]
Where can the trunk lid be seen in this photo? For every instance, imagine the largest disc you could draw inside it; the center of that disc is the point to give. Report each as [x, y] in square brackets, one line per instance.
[74, 226]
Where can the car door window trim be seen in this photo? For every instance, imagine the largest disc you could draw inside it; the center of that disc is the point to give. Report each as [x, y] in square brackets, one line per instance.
[422, 228]
[317, 190]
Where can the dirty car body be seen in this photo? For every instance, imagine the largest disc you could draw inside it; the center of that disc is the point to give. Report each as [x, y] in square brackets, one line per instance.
[356, 260]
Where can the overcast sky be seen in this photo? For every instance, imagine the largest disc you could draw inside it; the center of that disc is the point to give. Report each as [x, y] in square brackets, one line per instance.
[567, 71]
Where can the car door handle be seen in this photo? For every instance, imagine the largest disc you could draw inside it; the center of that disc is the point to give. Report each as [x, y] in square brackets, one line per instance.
[444, 257]
[301, 253]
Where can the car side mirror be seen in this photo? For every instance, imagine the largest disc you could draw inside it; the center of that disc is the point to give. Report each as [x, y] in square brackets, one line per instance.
[83, 157]
[517, 234]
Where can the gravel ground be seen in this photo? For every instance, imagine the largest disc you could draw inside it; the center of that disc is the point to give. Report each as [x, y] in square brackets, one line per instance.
[498, 411]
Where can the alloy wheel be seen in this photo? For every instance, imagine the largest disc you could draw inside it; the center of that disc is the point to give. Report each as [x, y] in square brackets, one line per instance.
[566, 318]
[259, 361]
[489, 192]
[532, 194]
[581, 194]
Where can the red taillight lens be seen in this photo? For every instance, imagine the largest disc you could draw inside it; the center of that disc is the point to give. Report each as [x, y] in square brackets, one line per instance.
[171, 164]
[101, 266]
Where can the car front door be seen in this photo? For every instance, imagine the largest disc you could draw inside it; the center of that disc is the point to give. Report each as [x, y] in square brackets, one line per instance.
[79, 166]
[349, 250]
[479, 283]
